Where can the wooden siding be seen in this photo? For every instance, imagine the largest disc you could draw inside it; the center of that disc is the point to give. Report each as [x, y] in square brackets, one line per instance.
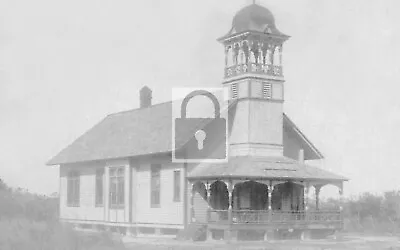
[87, 209]
[277, 91]
[169, 211]
[243, 88]
[291, 146]
[256, 89]
[240, 127]
[266, 122]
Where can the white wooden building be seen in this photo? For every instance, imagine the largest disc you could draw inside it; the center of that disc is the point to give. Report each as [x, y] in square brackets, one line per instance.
[119, 174]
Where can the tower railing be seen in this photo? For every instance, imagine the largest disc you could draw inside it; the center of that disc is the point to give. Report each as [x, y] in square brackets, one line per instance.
[254, 68]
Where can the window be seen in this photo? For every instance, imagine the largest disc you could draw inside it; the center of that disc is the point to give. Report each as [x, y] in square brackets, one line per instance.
[73, 189]
[267, 90]
[117, 187]
[234, 91]
[99, 187]
[155, 185]
[177, 185]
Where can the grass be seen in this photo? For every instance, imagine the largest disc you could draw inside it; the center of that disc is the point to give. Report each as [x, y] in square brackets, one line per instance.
[346, 242]
[24, 234]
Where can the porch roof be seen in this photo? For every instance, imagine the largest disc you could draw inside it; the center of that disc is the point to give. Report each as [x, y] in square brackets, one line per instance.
[262, 168]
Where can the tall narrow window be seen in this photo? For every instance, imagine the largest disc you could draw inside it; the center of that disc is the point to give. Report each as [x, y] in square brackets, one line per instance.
[73, 189]
[177, 185]
[267, 90]
[155, 185]
[99, 187]
[117, 187]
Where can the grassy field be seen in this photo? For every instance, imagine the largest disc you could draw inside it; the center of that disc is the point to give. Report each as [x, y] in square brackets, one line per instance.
[24, 234]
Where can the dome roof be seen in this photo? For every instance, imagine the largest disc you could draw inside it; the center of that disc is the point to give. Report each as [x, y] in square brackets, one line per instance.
[254, 18]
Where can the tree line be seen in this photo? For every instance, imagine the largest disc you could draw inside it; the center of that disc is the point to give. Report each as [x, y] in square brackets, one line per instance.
[369, 212]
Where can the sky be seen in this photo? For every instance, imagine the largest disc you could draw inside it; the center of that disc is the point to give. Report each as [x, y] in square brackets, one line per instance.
[65, 65]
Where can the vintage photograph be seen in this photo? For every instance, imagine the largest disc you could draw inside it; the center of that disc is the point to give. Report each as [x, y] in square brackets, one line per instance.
[179, 124]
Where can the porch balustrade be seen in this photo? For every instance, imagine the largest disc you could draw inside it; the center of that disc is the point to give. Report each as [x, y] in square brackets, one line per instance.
[263, 216]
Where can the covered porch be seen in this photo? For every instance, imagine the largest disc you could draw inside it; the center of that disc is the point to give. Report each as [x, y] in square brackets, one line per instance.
[266, 202]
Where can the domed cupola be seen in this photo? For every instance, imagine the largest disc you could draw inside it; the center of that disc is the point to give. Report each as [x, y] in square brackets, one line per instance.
[254, 44]
[254, 18]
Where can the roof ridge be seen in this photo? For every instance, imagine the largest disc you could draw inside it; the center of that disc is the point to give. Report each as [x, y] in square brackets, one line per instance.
[138, 109]
[151, 106]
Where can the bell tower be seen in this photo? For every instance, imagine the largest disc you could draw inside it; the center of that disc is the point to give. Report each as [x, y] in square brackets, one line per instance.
[253, 77]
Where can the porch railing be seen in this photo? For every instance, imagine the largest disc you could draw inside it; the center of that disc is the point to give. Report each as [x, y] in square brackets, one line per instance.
[263, 216]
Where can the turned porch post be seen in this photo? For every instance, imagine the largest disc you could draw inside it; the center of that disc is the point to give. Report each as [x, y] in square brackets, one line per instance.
[230, 190]
[228, 232]
[270, 190]
[306, 190]
[208, 189]
[341, 197]
[317, 191]
[192, 202]
[341, 200]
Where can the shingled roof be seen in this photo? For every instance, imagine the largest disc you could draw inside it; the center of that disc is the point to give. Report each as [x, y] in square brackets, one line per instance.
[262, 168]
[140, 132]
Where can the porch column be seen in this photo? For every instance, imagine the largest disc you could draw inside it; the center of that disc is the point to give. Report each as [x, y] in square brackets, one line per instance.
[106, 193]
[208, 189]
[317, 191]
[341, 197]
[306, 190]
[268, 234]
[230, 189]
[228, 232]
[341, 205]
[191, 202]
[270, 190]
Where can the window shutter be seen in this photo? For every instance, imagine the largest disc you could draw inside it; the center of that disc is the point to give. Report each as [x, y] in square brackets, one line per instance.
[234, 91]
[267, 90]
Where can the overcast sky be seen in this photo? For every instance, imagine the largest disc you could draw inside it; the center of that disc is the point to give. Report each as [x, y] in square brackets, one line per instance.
[64, 65]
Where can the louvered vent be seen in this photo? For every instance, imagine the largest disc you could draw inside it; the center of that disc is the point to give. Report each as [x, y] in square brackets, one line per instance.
[234, 91]
[267, 90]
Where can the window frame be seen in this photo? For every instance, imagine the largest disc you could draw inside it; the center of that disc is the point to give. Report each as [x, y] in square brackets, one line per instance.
[177, 185]
[155, 172]
[117, 177]
[73, 188]
[99, 177]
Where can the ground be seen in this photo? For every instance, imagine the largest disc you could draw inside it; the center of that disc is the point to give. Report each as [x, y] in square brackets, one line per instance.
[347, 242]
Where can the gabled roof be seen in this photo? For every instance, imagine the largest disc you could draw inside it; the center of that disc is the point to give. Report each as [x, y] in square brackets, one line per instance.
[310, 151]
[262, 168]
[140, 132]
[130, 133]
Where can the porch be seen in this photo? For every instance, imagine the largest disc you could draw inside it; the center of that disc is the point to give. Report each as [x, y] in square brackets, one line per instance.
[252, 206]
[259, 204]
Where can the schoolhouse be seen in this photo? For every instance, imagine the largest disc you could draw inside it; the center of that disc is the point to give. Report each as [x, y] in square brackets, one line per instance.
[120, 173]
